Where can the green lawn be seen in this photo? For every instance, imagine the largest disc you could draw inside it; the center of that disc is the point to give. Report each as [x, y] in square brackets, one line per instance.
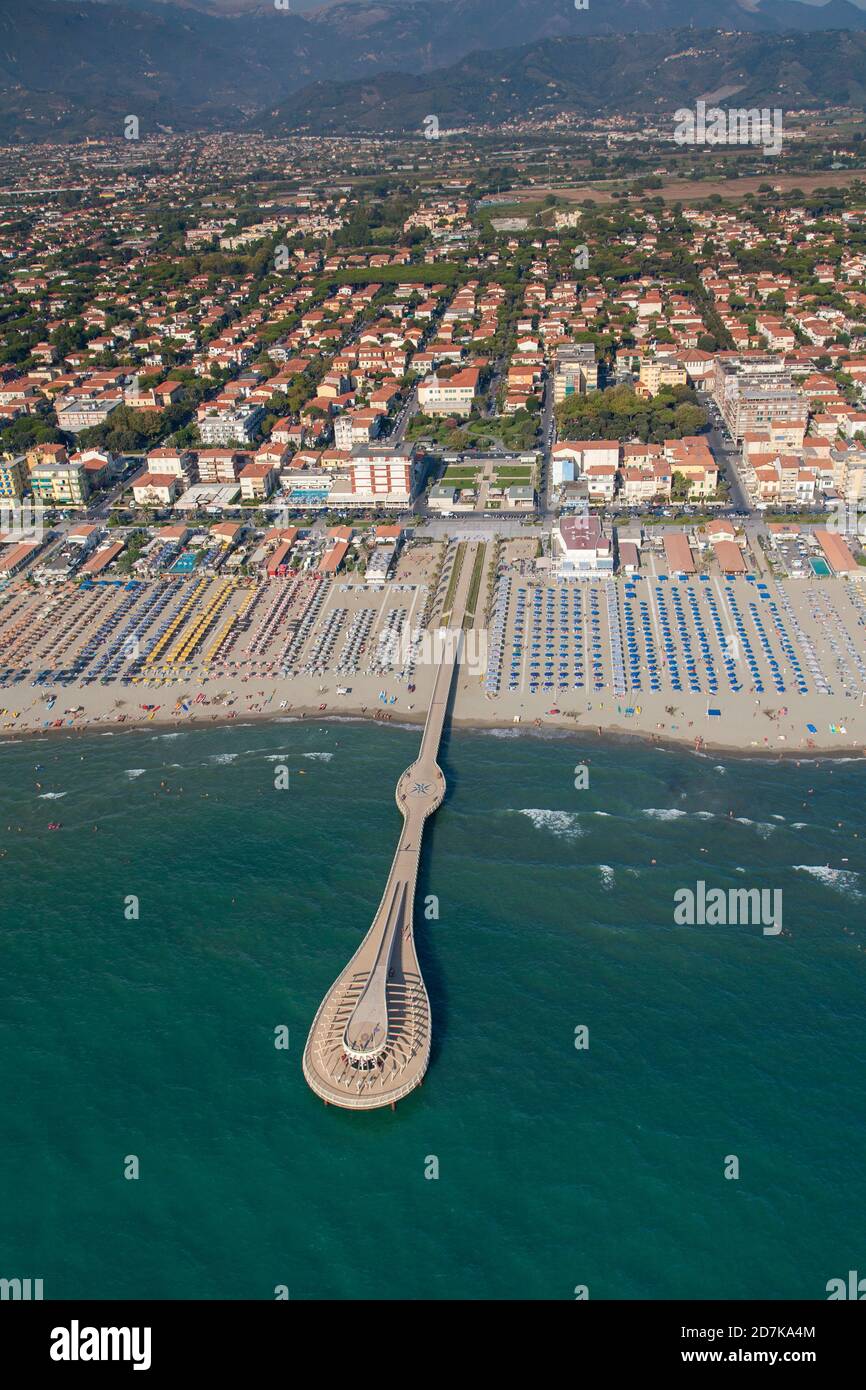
[453, 581]
[507, 476]
[474, 586]
[461, 478]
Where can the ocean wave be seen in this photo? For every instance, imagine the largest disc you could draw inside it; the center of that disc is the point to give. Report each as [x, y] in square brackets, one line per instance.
[563, 824]
[763, 827]
[607, 875]
[223, 757]
[133, 772]
[602, 813]
[51, 796]
[174, 735]
[664, 813]
[844, 881]
[322, 757]
[705, 815]
[718, 768]
[799, 824]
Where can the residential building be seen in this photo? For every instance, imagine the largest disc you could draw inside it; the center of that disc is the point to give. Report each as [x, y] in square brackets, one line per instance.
[753, 395]
[64, 484]
[229, 426]
[575, 371]
[449, 395]
[156, 489]
[14, 477]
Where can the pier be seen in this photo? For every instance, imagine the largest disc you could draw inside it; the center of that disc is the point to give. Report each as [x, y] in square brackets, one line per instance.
[369, 1044]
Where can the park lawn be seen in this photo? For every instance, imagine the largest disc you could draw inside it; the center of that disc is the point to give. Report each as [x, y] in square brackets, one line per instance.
[461, 479]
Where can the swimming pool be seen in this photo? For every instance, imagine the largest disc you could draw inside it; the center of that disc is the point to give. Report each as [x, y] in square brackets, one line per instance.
[185, 564]
[819, 568]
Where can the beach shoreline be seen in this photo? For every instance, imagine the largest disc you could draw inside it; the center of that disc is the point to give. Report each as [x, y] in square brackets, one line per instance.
[550, 727]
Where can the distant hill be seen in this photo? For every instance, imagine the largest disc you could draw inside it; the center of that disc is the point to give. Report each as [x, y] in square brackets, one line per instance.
[75, 67]
[589, 76]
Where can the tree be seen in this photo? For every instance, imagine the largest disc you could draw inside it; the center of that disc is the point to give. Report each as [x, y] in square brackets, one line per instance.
[679, 487]
[689, 419]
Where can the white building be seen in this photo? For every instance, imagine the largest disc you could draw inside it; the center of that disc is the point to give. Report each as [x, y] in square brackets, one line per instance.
[570, 460]
[582, 547]
[454, 395]
[229, 426]
[382, 476]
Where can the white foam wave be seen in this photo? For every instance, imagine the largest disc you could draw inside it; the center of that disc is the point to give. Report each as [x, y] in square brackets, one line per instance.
[843, 881]
[763, 828]
[563, 824]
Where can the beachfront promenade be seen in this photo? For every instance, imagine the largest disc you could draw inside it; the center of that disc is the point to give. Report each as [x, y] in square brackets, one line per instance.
[370, 1041]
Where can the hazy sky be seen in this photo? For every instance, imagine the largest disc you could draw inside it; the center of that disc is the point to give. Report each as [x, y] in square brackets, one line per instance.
[314, 4]
[299, 5]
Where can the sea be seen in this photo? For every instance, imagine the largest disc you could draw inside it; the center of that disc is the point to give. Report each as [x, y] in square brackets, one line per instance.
[617, 1105]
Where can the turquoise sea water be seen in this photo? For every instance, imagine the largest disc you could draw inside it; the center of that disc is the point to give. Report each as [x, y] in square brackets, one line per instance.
[557, 1167]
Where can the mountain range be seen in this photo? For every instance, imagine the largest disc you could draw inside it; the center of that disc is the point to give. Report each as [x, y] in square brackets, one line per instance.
[586, 77]
[75, 67]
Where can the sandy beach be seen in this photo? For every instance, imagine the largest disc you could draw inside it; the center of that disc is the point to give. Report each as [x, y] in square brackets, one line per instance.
[708, 664]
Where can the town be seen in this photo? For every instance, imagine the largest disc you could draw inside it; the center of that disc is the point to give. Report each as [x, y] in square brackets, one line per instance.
[251, 439]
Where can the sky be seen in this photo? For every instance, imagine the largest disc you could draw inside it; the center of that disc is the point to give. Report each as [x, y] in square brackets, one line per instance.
[313, 4]
[300, 6]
